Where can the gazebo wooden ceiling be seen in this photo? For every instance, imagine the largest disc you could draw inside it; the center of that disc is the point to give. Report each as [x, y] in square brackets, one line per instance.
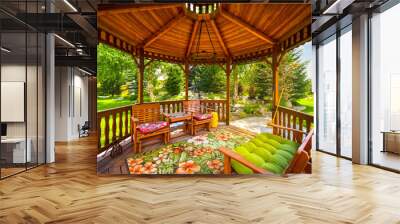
[170, 32]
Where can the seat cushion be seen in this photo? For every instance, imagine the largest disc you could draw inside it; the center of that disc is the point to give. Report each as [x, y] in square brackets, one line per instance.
[201, 117]
[151, 127]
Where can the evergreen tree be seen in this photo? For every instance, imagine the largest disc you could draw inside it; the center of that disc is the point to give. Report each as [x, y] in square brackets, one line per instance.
[262, 80]
[174, 82]
[293, 77]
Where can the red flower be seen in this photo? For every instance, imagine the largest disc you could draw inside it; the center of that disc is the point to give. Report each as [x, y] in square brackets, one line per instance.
[188, 167]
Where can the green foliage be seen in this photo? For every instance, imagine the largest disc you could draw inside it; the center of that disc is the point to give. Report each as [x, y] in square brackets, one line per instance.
[207, 79]
[174, 83]
[262, 80]
[252, 109]
[293, 77]
[113, 69]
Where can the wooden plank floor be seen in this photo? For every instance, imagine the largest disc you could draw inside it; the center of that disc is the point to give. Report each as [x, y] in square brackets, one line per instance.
[69, 191]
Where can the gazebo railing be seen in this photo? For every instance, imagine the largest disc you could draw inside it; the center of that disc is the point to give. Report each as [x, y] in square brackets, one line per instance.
[292, 119]
[116, 122]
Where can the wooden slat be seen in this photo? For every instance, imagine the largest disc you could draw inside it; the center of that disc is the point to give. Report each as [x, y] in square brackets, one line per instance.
[220, 39]
[247, 27]
[167, 27]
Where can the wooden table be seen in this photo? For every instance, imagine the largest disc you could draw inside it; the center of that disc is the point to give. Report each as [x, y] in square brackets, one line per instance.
[179, 117]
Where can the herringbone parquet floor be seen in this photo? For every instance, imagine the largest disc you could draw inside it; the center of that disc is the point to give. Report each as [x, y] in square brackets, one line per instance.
[69, 191]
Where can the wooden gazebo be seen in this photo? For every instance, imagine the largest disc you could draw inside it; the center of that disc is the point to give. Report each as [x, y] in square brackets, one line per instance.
[217, 33]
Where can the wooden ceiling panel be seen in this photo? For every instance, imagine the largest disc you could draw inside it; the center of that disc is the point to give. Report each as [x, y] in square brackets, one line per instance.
[236, 30]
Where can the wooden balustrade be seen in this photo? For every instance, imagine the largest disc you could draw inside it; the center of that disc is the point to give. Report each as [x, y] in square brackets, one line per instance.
[292, 120]
[115, 122]
[218, 106]
[171, 106]
[109, 121]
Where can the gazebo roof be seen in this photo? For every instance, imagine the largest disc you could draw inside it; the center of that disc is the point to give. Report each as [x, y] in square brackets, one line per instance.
[176, 33]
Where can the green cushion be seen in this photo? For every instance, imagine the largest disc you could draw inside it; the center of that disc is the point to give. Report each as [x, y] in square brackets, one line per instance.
[273, 168]
[249, 146]
[288, 156]
[262, 137]
[273, 143]
[289, 148]
[264, 154]
[240, 168]
[289, 142]
[241, 150]
[274, 137]
[269, 147]
[279, 160]
[254, 159]
[257, 142]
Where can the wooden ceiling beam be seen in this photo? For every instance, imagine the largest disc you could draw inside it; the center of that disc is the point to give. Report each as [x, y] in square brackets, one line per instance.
[192, 38]
[246, 26]
[137, 8]
[167, 27]
[219, 37]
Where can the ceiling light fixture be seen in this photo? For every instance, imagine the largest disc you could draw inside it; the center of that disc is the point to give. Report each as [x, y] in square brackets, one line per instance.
[70, 5]
[5, 50]
[64, 40]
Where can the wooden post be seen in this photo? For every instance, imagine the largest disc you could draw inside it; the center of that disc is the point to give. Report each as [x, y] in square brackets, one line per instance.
[275, 87]
[228, 92]
[186, 80]
[227, 165]
[275, 77]
[141, 75]
[235, 84]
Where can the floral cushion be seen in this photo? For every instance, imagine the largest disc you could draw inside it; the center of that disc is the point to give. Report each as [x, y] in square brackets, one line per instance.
[201, 117]
[151, 127]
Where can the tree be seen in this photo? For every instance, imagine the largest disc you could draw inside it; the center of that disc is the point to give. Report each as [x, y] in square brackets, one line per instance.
[262, 79]
[152, 73]
[174, 82]
[113, 68]
[293, 77]
[207, 78]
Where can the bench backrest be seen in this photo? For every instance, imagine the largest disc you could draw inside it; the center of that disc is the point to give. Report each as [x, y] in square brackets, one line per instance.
[149, 112]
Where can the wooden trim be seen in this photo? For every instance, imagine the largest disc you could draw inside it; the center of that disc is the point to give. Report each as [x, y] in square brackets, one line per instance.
[275, 77]
[186, 80]
[192, 38]
[136, 8]
[228, 92]
[246, 26]
[167, 27]
[219, 37]
[141, 75]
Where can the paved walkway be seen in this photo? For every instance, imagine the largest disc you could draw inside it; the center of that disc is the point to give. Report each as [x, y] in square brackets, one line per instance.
[254, 124]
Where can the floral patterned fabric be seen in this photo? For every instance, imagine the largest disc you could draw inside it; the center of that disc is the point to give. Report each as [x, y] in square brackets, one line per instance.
[201, 117]
[197, 155]
[151, 127]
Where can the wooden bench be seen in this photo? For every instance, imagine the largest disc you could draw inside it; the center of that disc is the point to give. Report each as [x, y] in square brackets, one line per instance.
[301, 162]
[194, 108]
[147, 114]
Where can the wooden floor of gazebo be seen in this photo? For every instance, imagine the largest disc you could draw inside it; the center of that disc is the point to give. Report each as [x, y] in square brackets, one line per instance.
[118, 165]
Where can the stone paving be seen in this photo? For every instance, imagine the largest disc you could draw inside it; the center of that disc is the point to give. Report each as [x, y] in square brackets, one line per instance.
[254, 124]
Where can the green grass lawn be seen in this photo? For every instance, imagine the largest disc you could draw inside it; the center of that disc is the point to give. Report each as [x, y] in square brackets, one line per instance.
[308, 103]
[109, 103]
